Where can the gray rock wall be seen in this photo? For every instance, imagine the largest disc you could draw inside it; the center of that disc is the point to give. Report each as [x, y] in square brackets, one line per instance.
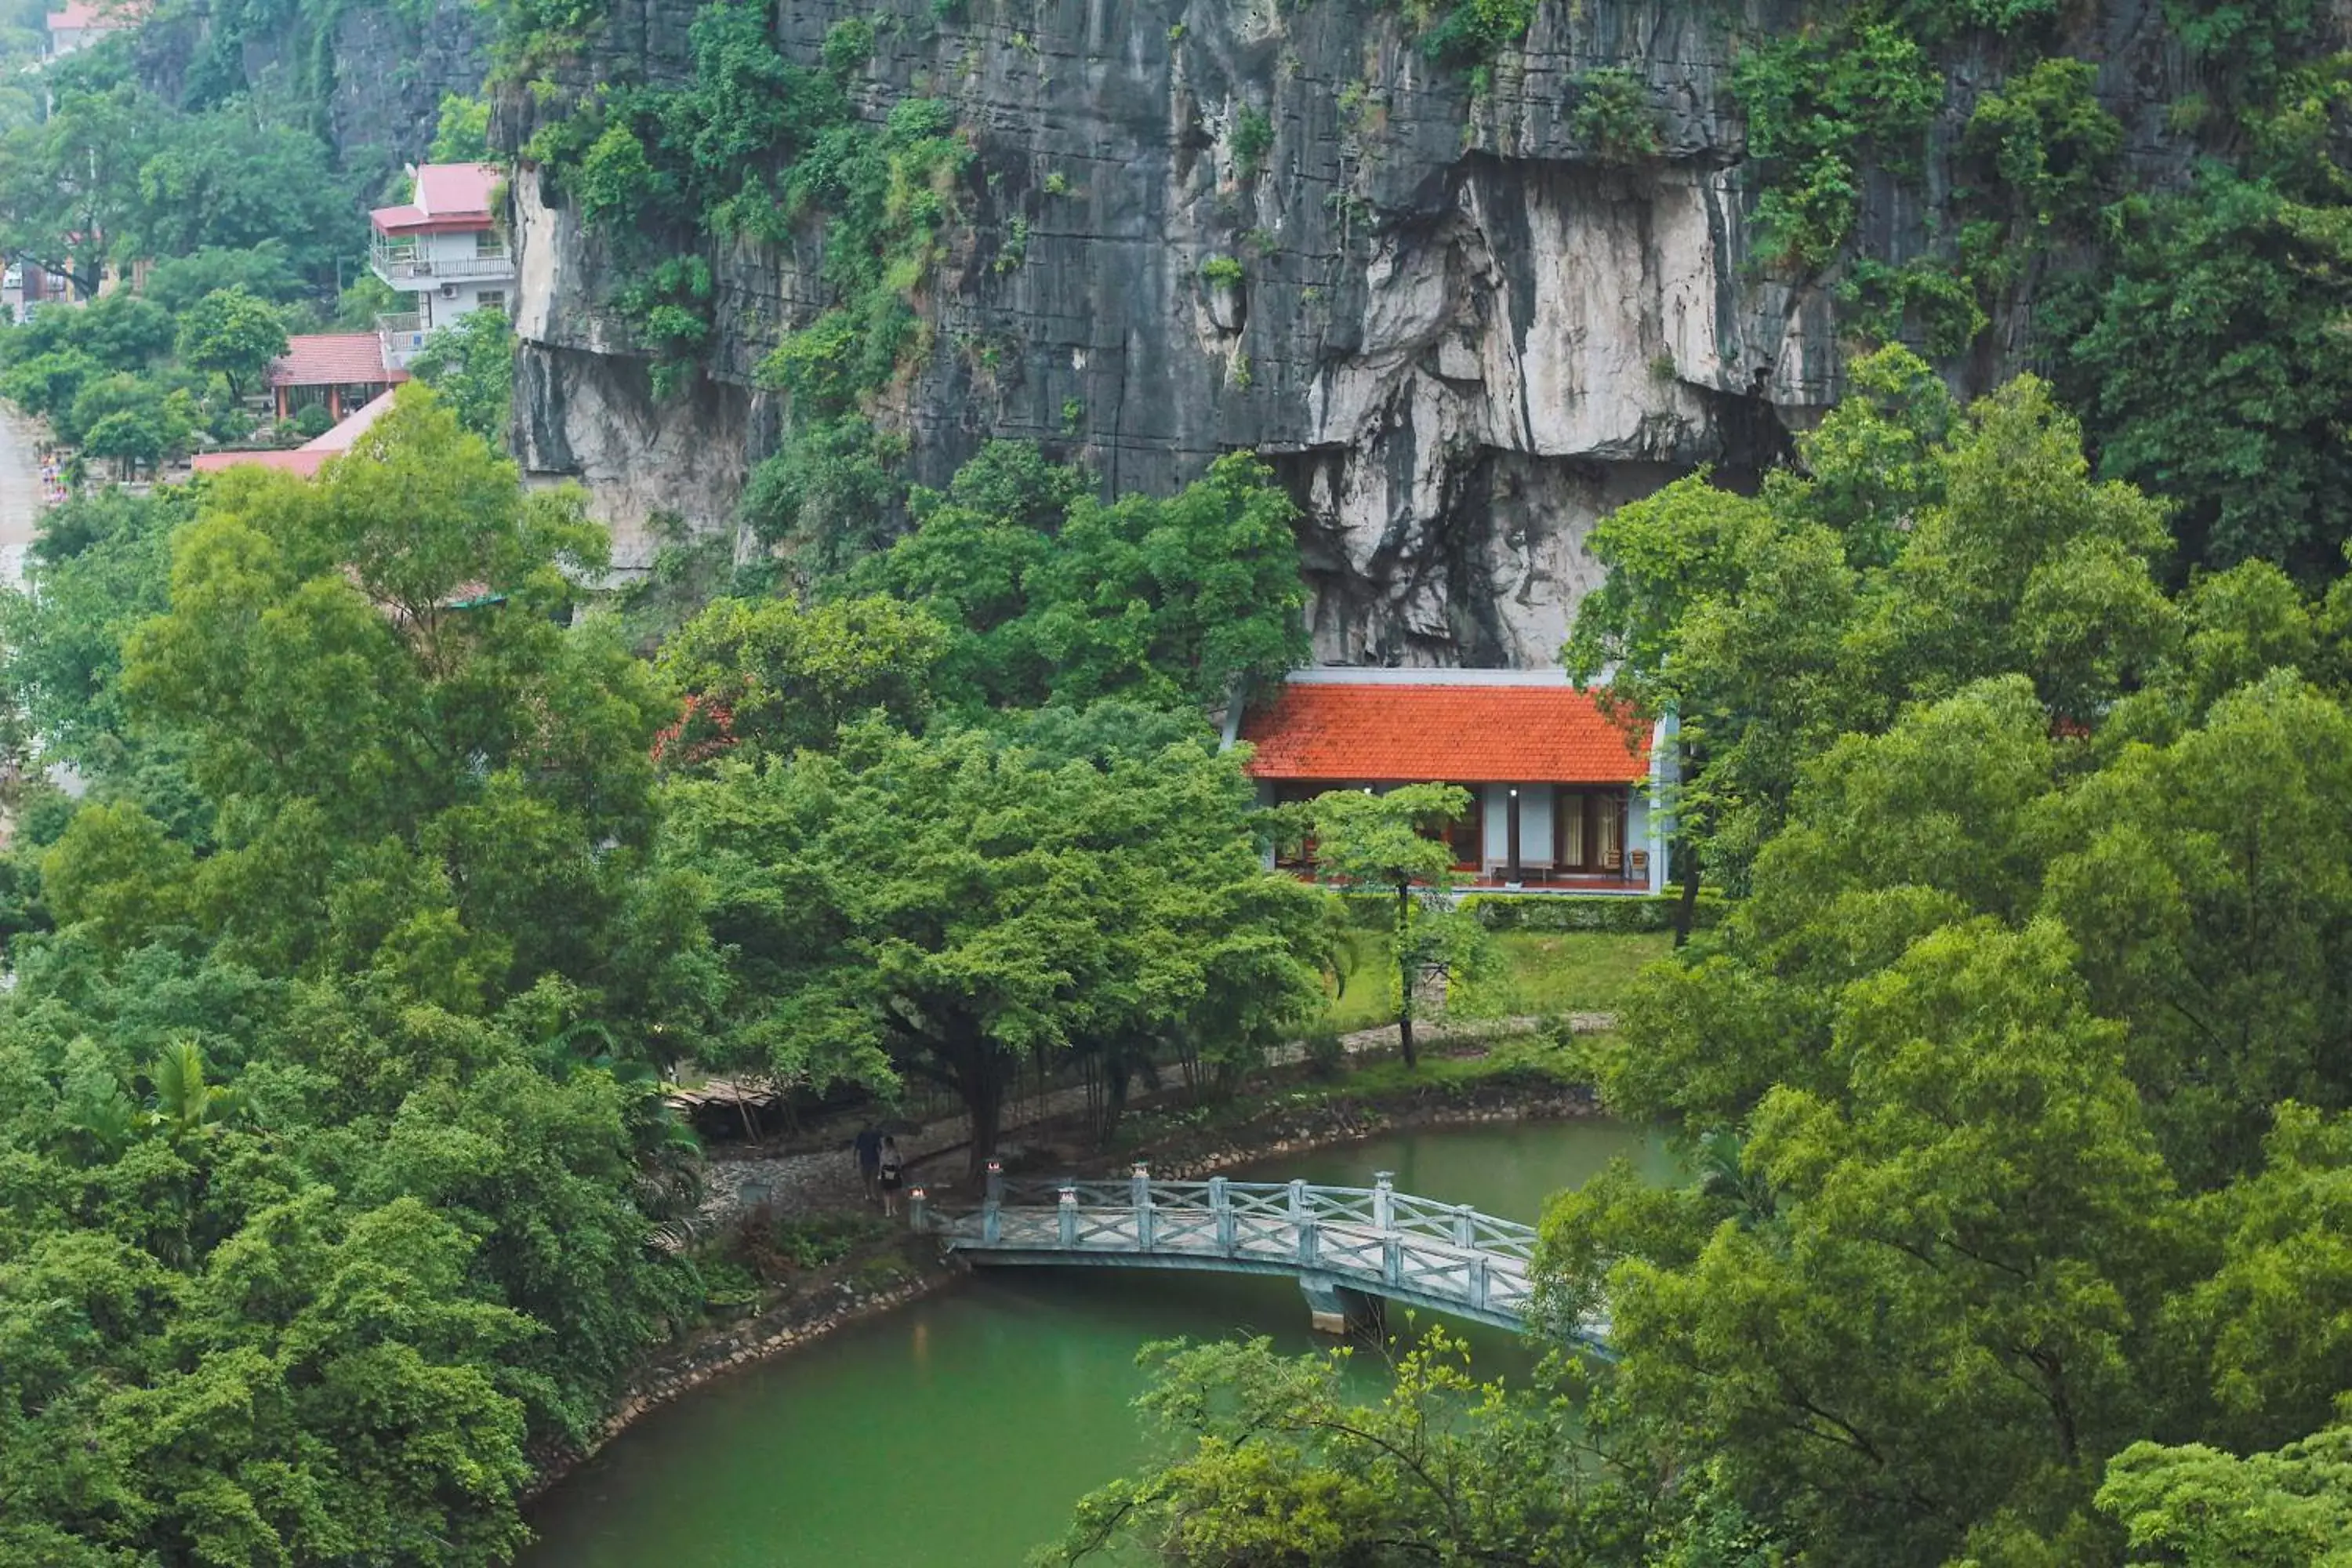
[1461, 334]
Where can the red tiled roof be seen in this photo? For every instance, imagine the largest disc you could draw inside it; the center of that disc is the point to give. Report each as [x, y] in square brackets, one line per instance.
[1459, 732]
[333, 359]
[306, 458]
[302, 460]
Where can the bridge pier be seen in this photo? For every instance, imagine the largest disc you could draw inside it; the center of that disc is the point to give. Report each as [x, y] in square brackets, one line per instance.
[1336, 1309]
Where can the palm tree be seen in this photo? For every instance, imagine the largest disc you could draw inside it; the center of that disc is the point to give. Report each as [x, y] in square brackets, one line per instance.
[185, 1105]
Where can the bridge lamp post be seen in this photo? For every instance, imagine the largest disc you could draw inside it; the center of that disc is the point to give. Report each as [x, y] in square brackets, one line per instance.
[1067, 1213]
[916, 1200]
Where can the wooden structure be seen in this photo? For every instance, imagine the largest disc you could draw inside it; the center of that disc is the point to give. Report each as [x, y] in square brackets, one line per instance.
[1349, 1248]
[1564, 794]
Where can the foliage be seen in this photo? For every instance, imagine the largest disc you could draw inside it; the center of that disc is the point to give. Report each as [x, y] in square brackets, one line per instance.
[322, 1223]
[829, 496]
[101, 565]
[2018, 1072]
[2047, 142]
[1471, 32]
[1614, 116]
[788, 678]
[1925, 547]
[1051, 596]
[1817, 104]
[1280, 1459]
[1393, 844]
[1253, 139]
[952, 905]
[2210, 371]
[1614, 912]
[462, 135]
[2292, 1509]
[232, 333]
[470, 363]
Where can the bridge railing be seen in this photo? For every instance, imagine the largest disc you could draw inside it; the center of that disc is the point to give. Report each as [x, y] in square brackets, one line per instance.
[1374, 1235]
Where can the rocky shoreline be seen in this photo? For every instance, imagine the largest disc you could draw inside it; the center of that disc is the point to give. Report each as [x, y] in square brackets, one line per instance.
[838, 1300]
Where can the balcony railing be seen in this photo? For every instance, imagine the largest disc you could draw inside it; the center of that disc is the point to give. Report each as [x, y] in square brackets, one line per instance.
[405, 267]
[402, 338]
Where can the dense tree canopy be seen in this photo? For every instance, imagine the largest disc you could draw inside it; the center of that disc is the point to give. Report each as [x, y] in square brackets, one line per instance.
[317, 1227]
[955, 905]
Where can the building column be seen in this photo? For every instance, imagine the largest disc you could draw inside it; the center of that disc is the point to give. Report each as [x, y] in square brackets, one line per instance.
[1511, 870]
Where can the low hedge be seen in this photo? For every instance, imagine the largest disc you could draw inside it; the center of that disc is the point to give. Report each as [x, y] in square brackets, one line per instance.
[1588, 911]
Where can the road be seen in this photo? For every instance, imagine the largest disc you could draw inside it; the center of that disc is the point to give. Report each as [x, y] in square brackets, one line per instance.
[20, 493]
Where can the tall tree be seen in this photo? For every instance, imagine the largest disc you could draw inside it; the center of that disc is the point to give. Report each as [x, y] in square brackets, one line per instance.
[233, 332]
[952, 906]
[1392, 846]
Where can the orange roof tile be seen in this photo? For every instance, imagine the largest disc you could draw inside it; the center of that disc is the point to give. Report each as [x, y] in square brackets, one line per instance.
[1458, 731]
[333, 359]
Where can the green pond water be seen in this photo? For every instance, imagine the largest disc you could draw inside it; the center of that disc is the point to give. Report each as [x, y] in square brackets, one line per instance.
[958, 1431]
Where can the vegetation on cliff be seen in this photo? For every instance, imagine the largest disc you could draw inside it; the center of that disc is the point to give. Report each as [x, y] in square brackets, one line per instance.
[2016, 1085]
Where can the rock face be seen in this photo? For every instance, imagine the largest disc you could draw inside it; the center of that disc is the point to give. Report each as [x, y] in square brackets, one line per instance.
[1460, 332]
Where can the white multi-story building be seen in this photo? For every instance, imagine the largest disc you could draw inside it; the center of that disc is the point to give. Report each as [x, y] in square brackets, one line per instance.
[82, 22]
[445, 251]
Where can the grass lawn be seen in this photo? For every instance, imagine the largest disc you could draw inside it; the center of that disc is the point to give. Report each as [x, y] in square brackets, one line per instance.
[1535, 973]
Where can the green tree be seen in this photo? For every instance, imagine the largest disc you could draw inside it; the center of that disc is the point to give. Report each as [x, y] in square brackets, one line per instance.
[1057, 597]
[462, 134]
[953, 907]
[471, 363]
[2195, 1507]
[2209, 373]
[233, 332]
[1282, 1459]
[776, 677]
[1393, 845]
[1925, 548]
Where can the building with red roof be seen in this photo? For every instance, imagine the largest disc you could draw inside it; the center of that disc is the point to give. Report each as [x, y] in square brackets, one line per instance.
[441, 247]
[82, 23]
[345, 371]
[307, 458]
[1563, 794]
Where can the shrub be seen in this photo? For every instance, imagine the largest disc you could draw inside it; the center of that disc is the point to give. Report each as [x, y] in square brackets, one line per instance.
[1327, 1054]
[1598, 913]
[1252, 139]
[1221, 272]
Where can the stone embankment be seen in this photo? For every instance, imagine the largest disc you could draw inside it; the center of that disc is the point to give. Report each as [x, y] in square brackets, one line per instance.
[810, 1181]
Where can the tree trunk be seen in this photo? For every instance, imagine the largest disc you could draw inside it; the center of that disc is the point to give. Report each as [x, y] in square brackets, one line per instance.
[983, 1101]
[1686, 909]
[1406, 977]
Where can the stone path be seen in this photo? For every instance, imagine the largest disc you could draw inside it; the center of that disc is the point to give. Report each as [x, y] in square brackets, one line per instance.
[827, 1179]
[20, 493]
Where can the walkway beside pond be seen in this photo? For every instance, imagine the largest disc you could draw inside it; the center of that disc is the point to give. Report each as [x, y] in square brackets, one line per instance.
[817, 1180]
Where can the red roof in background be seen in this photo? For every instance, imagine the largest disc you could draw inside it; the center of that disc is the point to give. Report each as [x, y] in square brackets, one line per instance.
[306, 458]
[451, 198]
[79, 16]
[300, 460]
[333, 359]
[1457, 731]
[454, 190]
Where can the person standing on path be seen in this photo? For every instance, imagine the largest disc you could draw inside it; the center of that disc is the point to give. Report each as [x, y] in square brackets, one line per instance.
[894, 1176]
[868, 1146]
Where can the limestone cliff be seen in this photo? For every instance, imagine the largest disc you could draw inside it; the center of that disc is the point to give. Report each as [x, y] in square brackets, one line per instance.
[1462, 333]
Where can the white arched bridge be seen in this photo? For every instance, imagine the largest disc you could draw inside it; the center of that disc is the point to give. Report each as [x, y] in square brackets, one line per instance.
[1347, 1246]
